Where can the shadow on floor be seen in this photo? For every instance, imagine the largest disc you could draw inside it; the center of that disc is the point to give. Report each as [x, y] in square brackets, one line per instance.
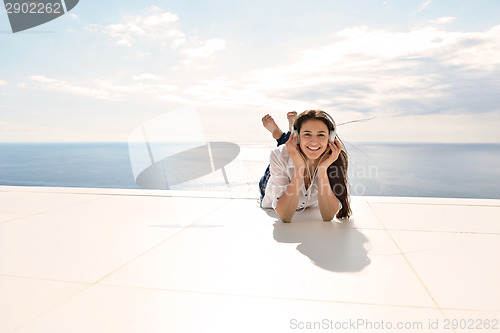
[334, 246]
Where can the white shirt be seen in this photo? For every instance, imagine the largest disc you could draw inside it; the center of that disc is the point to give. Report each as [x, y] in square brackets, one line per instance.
[282, 169]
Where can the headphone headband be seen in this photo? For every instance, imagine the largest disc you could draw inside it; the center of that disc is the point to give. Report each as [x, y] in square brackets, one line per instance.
[332, 132]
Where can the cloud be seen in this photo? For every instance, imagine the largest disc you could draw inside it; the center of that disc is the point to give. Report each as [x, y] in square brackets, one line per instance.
[178, 38]
[156, 30]
[424, 5]
[45, 83]
[425, 71]
[376, 70]
[138, 54]
[205, 49]
[147, 76]
[155, 25]
[362, 71]
[3, 83]
[102, 89]
[222, 92]
[444, 20]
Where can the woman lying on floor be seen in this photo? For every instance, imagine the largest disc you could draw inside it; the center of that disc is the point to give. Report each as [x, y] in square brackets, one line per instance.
[308, 169]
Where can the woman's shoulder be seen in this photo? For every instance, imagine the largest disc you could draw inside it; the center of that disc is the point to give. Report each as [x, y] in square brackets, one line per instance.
[279, 156]
[280, 151]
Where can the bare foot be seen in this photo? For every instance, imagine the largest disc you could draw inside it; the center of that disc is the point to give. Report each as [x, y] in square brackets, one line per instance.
[291, 119]
[271, 126]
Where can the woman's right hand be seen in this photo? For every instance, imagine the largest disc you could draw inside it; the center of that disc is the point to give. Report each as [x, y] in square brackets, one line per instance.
[293, 151]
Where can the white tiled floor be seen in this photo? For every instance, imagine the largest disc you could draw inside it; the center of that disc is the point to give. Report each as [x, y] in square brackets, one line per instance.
[97, 260]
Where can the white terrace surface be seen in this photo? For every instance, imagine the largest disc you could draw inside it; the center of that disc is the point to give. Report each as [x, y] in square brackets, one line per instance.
[98, 260]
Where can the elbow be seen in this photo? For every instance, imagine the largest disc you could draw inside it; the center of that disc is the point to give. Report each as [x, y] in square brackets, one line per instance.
[328, 218]
[328, 215]
[283, 217]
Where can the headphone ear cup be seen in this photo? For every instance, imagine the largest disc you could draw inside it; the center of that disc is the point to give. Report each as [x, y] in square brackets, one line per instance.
[333, 135]
[296, 133]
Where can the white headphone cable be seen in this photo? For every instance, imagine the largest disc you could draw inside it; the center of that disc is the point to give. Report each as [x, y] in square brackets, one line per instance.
[315, 174]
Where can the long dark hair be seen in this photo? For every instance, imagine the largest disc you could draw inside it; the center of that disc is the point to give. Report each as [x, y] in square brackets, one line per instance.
[337, 171]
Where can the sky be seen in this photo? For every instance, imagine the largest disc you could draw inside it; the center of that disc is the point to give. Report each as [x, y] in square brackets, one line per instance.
[424, 70]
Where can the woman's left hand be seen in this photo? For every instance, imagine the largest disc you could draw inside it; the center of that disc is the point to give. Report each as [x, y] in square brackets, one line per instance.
[331, 156]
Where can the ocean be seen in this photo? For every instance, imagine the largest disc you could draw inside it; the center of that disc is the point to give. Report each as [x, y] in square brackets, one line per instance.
[375, 169]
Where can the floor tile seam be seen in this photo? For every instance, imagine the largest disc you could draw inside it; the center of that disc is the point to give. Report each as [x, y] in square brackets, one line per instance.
[51, 210]
[472, 310]
[213, 293]
[48, 190]
[444, 231]
[90, 285]
[44, 312]
[169, 196]
[176, 195]
[22, 277]
[160, 243]
[415, 230]
[382, 227]
[95, 282]
[433, 204]
[249, 197]
[218, 294]
[408, 262]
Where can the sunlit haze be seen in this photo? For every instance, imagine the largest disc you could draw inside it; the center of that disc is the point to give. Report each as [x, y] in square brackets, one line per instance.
[426, 70]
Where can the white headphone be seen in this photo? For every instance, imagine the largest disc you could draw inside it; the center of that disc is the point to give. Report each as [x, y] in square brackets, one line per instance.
[332, 134]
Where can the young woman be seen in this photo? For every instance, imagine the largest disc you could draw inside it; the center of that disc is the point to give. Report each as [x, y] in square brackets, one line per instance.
[308, 169]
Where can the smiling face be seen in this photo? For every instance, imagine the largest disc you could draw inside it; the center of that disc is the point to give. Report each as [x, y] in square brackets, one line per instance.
[313, 138]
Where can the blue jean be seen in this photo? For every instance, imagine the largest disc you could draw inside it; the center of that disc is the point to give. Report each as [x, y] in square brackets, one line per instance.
[263, 181]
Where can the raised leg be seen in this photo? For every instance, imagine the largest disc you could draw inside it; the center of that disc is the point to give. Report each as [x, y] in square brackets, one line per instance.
[271, 126]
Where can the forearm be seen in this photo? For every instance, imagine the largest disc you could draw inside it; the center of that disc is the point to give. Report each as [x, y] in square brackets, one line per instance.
[288, 202]
[327, 201]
